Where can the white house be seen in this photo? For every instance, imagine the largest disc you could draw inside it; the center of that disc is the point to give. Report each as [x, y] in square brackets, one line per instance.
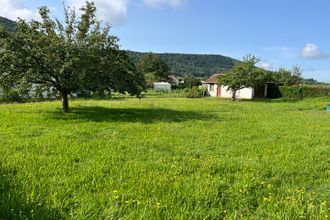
[217, 90]
[165, 86]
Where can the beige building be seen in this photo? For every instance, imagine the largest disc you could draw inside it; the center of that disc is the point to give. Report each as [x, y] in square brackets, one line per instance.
[216, 90]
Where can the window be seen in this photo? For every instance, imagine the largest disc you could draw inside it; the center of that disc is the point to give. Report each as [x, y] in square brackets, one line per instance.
[211, 87]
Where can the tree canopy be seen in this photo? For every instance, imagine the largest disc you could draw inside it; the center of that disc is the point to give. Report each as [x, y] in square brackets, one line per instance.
[79, 53]
[153, 68]
[191, 81]
[243, 75]
[288, 77]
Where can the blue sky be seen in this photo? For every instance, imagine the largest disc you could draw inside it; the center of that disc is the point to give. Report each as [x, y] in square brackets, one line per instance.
[279, 32]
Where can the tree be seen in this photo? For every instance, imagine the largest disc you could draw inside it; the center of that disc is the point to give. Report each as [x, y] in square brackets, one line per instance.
[244, 74]
[153, 68]
[191, 81]
[78, 53]
[287, 77]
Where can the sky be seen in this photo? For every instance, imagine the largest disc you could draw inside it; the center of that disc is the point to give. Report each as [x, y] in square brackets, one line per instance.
[281, 33]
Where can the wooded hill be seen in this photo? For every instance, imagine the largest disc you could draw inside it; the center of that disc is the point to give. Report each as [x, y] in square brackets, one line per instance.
[192, 64]
[8, 24]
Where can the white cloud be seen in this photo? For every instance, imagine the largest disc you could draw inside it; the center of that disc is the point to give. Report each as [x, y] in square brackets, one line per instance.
[164, 3]
[112, 11]
[312, 51]
[115, 11]
[13, 9]
[265, 65]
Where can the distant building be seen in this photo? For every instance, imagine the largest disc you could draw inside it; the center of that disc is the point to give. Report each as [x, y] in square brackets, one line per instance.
[204, 84]
[164, 86]
[216, 90]
[173, 80]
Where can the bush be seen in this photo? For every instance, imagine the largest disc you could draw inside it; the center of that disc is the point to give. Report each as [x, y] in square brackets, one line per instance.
[177, 93]
[196, 92]
[299, 92]
[13, 93]
[12, 96]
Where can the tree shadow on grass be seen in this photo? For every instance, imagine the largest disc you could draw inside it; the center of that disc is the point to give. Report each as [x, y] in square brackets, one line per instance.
[142, 115]
[280, 100]
[14, 203]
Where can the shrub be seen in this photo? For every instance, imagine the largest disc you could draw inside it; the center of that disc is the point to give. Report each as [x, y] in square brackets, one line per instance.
[299, 92]
[13, 93]
[196, 92]
[11, 96]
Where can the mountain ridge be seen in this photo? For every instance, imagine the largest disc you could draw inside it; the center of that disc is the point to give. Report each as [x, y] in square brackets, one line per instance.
[185, 64]
[8, 24]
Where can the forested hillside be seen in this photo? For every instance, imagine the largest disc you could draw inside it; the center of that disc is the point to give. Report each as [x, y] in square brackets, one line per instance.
[192, 64]
[8, 24]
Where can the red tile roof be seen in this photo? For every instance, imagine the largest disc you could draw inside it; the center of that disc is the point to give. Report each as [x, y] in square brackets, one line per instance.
[214, 78]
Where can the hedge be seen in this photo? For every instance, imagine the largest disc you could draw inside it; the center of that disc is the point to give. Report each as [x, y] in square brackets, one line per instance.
[300, 92]
[196, 92]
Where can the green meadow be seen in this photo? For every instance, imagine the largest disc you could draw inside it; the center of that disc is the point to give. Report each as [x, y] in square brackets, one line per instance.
[165, 158]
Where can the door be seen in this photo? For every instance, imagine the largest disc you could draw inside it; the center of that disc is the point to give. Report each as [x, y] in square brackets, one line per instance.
[259, 92]
[219, 91]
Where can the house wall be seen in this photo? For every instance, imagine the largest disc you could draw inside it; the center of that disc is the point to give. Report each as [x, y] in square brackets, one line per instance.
[212, 92]
[245, 93]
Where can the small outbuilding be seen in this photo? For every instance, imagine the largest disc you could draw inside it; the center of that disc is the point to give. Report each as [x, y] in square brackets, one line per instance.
[164, 86]
[216, 90]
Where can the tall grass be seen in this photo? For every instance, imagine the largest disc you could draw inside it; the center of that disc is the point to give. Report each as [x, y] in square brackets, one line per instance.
[150, 93]
[165, 159]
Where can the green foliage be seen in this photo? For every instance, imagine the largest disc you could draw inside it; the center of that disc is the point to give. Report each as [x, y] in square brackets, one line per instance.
[192, 64]
[299, 92]
[165, 159]
[14, 91]
[191, 81]
[310, 81]
[153, 68]
[151, 93]
[11, 95]
[244, 75]
[7, 24]
[150, 79]
[287, 77]
[196, 92]
[67, 57]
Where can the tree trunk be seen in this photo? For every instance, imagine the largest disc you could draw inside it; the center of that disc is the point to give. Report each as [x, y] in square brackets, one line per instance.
[65, 102]
[234, 95]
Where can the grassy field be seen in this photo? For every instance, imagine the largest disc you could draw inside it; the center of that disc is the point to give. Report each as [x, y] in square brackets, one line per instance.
[165, 158]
